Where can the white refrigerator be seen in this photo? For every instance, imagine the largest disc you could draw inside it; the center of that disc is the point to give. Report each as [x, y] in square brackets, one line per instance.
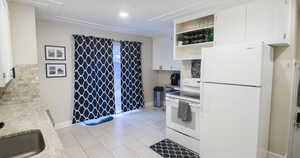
[236, 87]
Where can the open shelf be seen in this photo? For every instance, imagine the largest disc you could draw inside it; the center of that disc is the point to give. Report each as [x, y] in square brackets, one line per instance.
[196, 29]
[192, 51]
[193, 35]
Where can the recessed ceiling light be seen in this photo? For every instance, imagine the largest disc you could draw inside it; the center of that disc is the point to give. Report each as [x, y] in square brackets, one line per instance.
[123, 14]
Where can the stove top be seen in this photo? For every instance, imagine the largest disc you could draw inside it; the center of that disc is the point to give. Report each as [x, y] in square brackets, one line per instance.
[186, 94]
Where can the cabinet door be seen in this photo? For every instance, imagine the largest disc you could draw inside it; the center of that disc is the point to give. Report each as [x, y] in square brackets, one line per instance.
[155, 55]
[173, 64]
[5, 45]
[163, 54]
[268, 21]
[230, 26]
[281, 21]
[259, 21]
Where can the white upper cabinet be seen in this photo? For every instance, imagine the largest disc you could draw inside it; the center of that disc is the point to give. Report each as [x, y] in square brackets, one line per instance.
[258, 27]
[5, 45]
[163, 54]
[266, 21]
[230, 26]
[260, 20]
[269, 21]
[282, 20]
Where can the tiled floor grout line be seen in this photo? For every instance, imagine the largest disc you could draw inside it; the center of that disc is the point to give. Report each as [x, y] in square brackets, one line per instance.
[150, 123]
[81, 147]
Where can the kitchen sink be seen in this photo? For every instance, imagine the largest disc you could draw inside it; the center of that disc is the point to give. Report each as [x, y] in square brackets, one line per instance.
[22, 145]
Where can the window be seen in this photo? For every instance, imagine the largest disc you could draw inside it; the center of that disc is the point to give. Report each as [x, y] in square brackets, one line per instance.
[117, 76]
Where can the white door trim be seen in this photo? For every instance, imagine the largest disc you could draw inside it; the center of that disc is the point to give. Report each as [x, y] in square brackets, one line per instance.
[295, 79]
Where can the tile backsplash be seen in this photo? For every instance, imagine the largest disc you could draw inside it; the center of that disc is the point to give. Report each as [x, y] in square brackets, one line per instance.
[24, 88]
[188, 73]
[195, 68]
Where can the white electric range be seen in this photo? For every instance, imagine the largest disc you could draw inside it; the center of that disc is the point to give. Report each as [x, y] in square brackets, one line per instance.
[183, 132]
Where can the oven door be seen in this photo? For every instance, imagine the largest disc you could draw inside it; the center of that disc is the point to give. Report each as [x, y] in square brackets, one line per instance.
[190, 128]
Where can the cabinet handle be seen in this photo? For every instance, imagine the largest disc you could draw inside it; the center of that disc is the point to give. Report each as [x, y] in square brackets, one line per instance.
[284, 36]
[13, 73]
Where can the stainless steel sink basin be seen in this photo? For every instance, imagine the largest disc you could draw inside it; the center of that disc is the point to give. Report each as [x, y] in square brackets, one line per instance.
[22, 145]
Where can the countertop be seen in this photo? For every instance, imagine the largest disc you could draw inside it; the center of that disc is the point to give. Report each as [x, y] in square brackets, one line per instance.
[29, 116]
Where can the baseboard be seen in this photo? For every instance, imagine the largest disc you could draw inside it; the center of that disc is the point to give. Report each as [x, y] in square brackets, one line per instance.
[148, 104]
[63, 124]
[69, 123]
[274, 155]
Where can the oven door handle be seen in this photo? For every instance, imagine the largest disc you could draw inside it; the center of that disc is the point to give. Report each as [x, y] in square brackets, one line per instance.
[177, 100]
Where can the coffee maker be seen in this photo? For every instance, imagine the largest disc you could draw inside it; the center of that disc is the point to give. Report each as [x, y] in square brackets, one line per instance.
[175, 79]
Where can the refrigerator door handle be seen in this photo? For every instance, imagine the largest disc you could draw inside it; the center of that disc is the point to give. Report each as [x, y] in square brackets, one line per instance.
[298, 94]
[201, 98]
[202, 74]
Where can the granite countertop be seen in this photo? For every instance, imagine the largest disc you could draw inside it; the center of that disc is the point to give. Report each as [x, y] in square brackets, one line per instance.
[31, 116]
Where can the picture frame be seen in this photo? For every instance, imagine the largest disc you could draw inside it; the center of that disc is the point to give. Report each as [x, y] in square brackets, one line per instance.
[55, 52]
[56, 70]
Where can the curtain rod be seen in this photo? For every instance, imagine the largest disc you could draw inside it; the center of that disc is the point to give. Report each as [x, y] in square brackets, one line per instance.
[124, 40]
[114, 40]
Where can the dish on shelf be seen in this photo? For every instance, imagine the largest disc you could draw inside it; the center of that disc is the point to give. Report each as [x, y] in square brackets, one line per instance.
[203, 44]
[195, 29]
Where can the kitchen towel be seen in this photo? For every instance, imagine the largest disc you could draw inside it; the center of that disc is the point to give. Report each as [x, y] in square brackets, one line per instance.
[184, 111]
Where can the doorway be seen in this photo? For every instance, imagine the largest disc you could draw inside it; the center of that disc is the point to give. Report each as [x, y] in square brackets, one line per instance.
[117, 75]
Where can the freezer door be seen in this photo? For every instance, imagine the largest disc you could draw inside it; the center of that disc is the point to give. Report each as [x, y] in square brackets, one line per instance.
[241, 64]
[229, 121]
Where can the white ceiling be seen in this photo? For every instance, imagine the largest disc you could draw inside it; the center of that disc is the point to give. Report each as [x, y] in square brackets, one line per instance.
[146, 17]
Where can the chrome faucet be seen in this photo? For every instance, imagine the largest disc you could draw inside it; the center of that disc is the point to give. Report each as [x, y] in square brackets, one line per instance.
[2, 125]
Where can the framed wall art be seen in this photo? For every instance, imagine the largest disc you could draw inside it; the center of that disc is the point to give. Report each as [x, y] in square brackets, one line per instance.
[55, 52]
[56, 70]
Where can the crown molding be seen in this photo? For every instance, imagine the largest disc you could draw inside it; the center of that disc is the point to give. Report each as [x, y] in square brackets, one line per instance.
[39, 3]
[205, 7]
[168, 15]
[127, 30]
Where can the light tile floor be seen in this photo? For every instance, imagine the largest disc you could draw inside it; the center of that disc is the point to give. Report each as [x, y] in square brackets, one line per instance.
[129, 135]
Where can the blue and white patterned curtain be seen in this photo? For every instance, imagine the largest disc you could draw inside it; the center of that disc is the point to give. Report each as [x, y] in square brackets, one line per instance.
[132, 92]
[94, 78]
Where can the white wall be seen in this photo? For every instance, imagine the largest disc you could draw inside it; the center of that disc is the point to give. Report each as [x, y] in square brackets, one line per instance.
[57, 94]
[163, 78]
[23, 30]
